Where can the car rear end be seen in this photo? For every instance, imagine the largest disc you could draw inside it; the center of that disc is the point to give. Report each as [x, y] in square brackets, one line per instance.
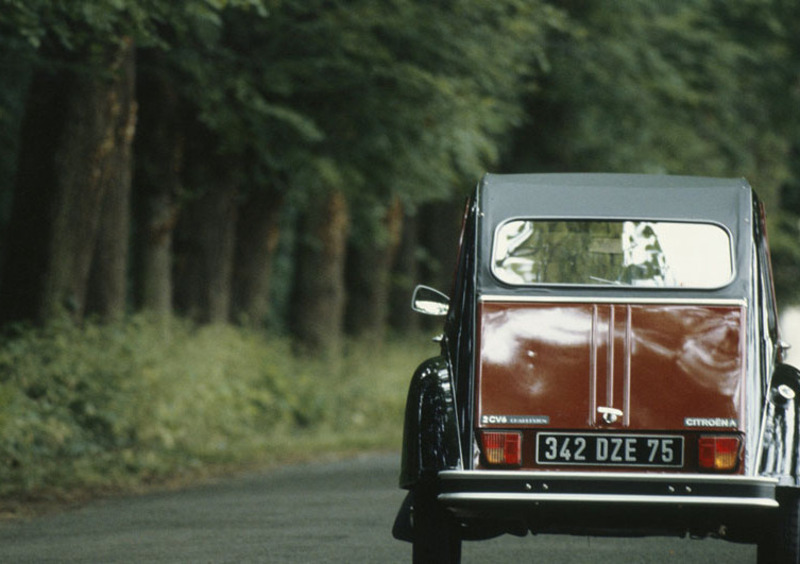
[597, 406]
[610, 365]
[613, 385]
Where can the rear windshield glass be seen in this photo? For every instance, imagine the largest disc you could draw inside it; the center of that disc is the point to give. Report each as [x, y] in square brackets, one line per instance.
[616, 253]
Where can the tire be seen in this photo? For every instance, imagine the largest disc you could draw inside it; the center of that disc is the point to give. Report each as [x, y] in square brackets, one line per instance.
[436, 539]
[781, 544]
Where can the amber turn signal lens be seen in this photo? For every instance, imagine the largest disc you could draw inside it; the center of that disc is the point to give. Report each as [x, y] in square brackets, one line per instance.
[503, 448]
[718, 453]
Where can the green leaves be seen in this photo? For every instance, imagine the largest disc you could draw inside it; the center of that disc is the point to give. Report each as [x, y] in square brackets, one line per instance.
[115, 404]
[394, 90]
[415, 96]
[658, 88]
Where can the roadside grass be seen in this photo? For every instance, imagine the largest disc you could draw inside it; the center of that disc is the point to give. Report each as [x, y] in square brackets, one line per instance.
[105, 408]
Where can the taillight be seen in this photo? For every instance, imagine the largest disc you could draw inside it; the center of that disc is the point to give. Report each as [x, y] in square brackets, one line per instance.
[503, 447]
[718, 452]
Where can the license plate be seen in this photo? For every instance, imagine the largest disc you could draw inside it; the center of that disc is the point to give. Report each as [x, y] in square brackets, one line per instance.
[609, 450]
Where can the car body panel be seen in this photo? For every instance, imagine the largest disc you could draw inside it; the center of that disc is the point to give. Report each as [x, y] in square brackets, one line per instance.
[431, 430]
[560, 362]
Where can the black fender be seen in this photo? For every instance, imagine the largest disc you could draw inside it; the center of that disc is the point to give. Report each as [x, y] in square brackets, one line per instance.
[430, 432]
[430, 435]
[779, 448]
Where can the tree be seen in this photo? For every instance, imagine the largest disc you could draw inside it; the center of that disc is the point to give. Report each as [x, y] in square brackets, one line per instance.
[768, 31]
[227, 85]
[206, 233]
[108, 277]
[318, 299]
[74, 155]
[160, 147]
[406, 104]
[351, 117]
[258, 232]
[652, 87]
[369, 269]
[74, 167]
[75, 144]
[405, 276]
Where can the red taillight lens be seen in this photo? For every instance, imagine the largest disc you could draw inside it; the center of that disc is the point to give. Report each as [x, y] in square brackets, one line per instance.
[718, 453]
[503, 448]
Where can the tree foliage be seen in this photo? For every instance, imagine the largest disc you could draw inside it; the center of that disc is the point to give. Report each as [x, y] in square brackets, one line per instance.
[283, 102]
[661, 88]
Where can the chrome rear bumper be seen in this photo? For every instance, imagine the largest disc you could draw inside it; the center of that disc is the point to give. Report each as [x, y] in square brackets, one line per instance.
[620, 504]
[476, 487]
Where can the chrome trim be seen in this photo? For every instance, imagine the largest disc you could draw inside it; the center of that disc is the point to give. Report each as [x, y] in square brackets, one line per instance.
[626, 387]
[609, 498]
[626, 300]
[593, 370]
[610, 414]
[610, 359]
[603, 476]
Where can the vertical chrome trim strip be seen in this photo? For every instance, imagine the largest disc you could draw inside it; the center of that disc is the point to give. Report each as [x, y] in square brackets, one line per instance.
[610, 359]
[593, 369]
[626, 399]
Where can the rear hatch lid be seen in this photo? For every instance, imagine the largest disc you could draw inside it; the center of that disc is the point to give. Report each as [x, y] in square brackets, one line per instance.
[654, 366]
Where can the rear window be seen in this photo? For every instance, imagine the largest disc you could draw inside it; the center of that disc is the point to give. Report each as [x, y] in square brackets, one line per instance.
[613, 253]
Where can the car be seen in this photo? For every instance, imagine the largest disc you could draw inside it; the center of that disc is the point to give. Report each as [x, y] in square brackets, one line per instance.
[610, 365]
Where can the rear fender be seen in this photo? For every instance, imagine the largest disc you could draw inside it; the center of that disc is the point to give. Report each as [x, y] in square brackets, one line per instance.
[430, 433]
[779, 450]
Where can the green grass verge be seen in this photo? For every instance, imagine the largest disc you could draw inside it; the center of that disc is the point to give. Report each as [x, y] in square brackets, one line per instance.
[109, 407]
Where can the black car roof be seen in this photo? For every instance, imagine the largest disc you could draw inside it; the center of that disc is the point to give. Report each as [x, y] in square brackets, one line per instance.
[725, 201]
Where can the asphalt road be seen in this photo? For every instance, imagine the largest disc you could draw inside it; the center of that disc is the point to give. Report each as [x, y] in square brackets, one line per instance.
[327, 512]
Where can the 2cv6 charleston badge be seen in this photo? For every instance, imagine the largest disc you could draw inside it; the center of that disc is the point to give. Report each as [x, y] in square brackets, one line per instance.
[610, 364]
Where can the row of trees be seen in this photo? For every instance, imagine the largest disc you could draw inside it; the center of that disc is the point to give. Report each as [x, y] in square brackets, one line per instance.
[245, 160]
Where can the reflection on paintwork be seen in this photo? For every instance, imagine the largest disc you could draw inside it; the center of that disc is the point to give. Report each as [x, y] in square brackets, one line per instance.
[520, 339]
[505, 331]
[705, 347]
[711, 354]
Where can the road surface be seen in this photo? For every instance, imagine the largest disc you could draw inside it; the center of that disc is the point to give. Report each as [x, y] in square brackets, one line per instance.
[326, 512]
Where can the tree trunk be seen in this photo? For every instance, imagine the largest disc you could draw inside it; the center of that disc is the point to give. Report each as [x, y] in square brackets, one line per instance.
[256, 241]
[160, 145]
[67, 158]
[207, 231]
[30, 222]
[369, 267]
[155, 252]
[405, 276]
[317, 316]
[108, 278]
[439, 231]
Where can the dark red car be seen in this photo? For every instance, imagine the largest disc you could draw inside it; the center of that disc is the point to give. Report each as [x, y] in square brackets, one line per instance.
[610, 364]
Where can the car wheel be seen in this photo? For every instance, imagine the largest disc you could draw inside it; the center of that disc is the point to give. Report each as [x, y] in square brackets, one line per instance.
[436, 538]
[781, 545]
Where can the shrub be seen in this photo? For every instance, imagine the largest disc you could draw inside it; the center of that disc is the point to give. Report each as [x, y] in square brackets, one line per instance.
[114, 405]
